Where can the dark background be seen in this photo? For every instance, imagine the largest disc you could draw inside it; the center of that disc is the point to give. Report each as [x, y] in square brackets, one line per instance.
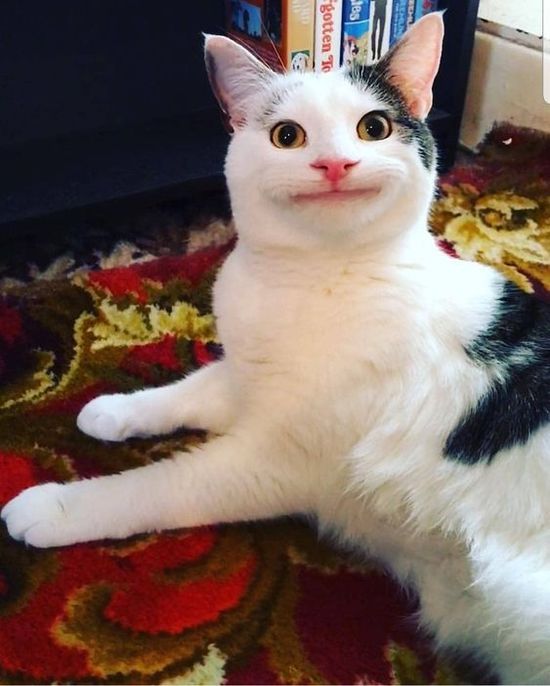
[75, 66]
[107, 101]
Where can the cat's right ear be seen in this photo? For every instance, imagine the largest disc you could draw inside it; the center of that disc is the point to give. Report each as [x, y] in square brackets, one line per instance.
[235, 76]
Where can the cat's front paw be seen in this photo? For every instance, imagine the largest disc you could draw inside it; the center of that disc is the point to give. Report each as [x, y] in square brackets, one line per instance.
[109, 418]
[38, 516]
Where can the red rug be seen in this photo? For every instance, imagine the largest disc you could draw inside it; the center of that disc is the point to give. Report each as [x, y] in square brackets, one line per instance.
[262, 603]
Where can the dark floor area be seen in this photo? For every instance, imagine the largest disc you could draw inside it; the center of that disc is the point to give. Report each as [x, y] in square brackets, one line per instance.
[84, 237]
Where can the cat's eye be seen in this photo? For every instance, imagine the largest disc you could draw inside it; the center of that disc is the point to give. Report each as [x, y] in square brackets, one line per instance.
[374, 126]
[288, 134]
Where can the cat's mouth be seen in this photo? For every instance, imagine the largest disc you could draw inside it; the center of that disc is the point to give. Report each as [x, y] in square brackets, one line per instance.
[337, 195]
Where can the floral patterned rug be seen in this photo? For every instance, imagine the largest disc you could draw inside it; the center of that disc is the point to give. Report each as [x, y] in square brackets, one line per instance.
[496, 208]
[257, 603]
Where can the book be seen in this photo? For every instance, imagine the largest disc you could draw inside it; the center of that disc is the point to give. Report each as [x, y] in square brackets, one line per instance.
[279, 32]
[402, 17]
[355, 31]
[298, 29]
[328, 34]
[257, 24]
[380, 26]
[424, 7]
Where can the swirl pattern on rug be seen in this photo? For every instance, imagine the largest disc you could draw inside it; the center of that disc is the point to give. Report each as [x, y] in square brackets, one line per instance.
[254, 603]
[495, 208]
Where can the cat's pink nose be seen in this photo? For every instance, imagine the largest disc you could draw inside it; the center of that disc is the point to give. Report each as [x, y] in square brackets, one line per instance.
[335, 168]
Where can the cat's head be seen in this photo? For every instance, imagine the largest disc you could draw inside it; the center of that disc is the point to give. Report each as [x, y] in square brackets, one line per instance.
[326, 159]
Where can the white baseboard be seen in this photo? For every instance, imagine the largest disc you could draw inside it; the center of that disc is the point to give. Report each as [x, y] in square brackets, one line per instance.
[505, 85]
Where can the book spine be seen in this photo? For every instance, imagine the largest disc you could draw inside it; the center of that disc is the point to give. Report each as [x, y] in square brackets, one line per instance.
[355, 31]
[399, 20]
[245, 23]
[299, 28]
[424, 7]
[328, 34]
[380, 27]
[411, 8]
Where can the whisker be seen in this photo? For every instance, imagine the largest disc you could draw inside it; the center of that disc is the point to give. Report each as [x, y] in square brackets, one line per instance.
[279, 58]
[254, 52]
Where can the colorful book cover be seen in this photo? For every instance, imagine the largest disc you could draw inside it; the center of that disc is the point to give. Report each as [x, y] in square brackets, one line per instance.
[355, 31]
[410, 12]
[424, 7]
[279, 32]
[399, 19]
[258, 25]
[328, 34]
[299, 26]
[380, 27]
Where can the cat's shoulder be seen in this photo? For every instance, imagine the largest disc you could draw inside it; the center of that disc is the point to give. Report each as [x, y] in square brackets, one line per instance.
[518, 330]
[514, 349]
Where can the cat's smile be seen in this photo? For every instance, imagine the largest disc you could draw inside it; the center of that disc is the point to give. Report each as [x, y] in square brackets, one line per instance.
[337, 195]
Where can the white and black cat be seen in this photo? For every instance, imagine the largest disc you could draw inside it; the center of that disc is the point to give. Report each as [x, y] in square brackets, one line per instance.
[398, 396]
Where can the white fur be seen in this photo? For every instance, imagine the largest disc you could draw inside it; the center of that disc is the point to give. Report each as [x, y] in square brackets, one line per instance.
[344, 330]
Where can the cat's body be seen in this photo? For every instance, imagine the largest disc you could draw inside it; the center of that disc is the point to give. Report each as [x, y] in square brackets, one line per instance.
[358, 383]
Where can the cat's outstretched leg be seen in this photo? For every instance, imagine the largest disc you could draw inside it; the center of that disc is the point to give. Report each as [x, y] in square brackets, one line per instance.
[494, 601]
[451, 607]
[513, 574]
[227, 479]
[200, 401]
[453, 610]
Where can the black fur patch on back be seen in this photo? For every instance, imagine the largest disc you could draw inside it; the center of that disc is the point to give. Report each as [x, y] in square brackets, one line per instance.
[412, 130]
[517, 347]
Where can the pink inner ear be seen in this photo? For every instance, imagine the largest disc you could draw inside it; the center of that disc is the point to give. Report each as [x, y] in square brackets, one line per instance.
[421, 106]
[415, 61]
[235, 75]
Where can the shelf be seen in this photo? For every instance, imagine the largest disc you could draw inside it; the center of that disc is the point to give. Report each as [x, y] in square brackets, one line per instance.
[75, 172]
[102, 65]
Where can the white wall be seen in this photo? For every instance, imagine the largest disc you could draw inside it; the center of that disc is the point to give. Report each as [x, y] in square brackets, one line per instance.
[505, 83]
[524, 15]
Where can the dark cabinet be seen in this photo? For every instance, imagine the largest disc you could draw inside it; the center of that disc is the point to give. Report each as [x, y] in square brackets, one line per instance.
[104, 101]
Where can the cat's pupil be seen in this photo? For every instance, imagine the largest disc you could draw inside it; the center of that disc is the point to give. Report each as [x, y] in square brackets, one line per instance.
[287, 134]
[376, 127]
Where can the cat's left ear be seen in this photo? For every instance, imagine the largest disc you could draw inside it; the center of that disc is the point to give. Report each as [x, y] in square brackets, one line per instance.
[412, 63]
[235, 76]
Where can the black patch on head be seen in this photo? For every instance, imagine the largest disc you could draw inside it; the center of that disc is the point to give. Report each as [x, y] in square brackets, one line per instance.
[276, 97]
[412, 130]
[516, 346]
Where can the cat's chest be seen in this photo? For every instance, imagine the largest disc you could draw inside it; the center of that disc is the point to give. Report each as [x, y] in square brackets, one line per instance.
[339, 316]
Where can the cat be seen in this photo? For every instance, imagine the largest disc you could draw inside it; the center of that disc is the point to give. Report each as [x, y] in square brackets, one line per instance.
[397, 396]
